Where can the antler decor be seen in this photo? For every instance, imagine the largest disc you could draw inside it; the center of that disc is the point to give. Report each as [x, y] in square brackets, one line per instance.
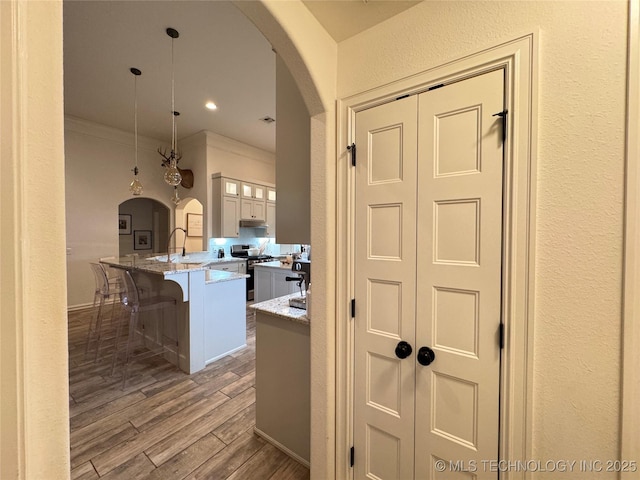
[167, 158]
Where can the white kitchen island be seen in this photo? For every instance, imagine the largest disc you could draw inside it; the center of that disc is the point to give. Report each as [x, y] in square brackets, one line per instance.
[211, 305]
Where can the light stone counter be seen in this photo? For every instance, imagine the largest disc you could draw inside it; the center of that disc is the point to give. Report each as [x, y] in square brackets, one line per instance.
[217, 276]
[275, 264]
[179, 264]
[279, 307]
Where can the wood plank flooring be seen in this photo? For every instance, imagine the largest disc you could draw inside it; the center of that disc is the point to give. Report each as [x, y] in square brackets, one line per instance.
[168, 425]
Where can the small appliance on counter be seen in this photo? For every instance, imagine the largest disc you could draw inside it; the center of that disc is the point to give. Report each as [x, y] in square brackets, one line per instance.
[303, 269]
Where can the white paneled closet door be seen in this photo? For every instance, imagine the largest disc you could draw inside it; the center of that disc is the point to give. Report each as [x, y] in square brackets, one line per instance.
[428, 267]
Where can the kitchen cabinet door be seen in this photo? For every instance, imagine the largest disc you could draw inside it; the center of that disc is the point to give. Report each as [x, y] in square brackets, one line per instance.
[227, 267]
[230, 216]
[251, 190]
[262, 285]
[271, 194]
[253, 209]
[270, 231]
[231, 187]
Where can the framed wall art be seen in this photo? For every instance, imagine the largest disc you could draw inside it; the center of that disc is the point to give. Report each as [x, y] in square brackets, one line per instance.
[124, 224]
[142, 240]
[194, 225]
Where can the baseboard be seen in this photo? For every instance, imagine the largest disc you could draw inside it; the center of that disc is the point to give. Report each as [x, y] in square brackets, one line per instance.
[81, 306]
[281, 447]
[225, 354]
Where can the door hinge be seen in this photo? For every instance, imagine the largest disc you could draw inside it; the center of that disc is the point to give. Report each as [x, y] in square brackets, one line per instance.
[352, 149]
[503, 115]
[501, 336]
[353, 308]
[352, 456]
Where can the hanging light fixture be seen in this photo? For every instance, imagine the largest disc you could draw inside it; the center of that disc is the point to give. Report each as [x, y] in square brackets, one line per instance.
[176, 198]
[172, 174]
[135, 186]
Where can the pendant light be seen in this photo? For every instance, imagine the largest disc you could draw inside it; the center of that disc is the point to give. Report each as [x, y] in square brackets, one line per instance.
[135, 186]
[172, 174]
[176, 198]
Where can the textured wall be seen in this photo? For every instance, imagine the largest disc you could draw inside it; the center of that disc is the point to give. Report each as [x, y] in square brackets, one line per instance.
[579, 189]
[34, 401]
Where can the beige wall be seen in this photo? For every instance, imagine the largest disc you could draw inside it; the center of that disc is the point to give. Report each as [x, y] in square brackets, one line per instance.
[579, 214]
[98, 163]
[34, 401]
[293, 139]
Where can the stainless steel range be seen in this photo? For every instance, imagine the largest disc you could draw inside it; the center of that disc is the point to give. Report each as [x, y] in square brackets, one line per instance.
[242, 251]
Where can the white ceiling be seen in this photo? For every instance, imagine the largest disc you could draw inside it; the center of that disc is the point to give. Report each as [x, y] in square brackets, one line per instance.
[220, 56]
[345, 18]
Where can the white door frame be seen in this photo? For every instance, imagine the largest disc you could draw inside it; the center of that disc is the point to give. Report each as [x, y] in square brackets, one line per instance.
[518, 57]
[630, 418]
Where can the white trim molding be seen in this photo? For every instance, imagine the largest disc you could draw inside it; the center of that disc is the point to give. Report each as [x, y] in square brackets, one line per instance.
[518, 59]
[630, 416]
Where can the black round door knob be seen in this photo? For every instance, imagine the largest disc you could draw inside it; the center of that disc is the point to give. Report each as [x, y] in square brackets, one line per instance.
[403, 349]
[426, 356]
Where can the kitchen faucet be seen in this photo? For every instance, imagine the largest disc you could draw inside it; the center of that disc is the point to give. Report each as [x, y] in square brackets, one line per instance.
[184, 252]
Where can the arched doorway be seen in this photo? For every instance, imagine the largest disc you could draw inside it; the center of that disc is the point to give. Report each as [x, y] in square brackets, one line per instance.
[34, 45]
[189, 217]
[147, 223]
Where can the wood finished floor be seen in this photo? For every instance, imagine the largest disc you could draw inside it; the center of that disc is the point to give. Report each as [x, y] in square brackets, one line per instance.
[166, 424]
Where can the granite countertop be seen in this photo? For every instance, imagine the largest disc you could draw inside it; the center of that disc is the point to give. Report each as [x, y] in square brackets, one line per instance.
[279, 307]
[274, 264]
[190, 263]
[217, 276]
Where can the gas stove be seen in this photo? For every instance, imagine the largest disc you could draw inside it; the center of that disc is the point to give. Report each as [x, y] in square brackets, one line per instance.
[242, 251]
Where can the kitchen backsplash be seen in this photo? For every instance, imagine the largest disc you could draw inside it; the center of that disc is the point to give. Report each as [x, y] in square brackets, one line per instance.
[248, 237]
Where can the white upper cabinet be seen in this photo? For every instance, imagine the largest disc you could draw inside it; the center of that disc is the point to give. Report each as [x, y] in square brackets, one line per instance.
[225, 208]
[234, 200]
[270, 231]
[251, 190]
[231, 187]
[253, 209]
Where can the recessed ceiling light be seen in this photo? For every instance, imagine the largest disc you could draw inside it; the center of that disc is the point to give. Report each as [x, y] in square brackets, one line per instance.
[211, 105]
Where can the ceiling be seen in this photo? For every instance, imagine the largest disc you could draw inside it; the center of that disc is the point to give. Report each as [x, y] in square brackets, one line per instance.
[345, 18]
[220, 56]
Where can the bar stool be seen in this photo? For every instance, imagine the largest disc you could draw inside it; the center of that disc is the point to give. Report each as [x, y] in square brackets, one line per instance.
[134, 305]
[106, 290]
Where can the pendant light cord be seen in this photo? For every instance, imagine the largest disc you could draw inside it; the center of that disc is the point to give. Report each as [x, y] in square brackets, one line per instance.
[135, 121]
[173, 117]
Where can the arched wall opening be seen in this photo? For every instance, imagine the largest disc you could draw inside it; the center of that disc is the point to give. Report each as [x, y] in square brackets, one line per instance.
[34, 386]
[310, 54]
[189, 216]
[143, 226]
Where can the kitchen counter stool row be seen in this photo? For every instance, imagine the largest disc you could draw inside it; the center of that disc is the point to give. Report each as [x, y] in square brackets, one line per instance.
[139, 339]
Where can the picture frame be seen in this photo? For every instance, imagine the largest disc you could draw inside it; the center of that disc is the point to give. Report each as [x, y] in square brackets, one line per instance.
[124, 224]
[194, 225]
[142, 240]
